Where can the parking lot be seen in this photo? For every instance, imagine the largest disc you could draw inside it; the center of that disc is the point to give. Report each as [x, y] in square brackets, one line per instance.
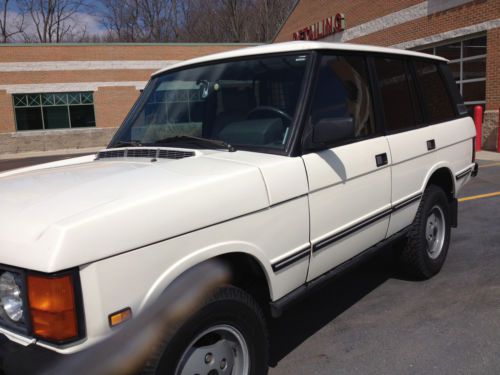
[373, 321]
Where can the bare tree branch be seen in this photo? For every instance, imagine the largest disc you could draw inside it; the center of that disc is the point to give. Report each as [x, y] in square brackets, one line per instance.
[54, 21]
[11, 24]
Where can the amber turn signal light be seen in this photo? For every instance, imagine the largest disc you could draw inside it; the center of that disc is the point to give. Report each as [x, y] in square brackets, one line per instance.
[120, 317]
[52, 307]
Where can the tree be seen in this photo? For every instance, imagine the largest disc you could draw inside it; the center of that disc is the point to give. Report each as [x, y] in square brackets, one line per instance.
[11, 23]
[53, 20]
[233, 20]
[271, 14]
[141, 20]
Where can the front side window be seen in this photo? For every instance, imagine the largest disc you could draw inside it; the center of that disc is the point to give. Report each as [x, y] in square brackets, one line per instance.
[54, 110]
[246, 103]
[342, 100]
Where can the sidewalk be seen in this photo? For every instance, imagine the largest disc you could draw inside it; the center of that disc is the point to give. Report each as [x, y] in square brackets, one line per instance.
[488, 155]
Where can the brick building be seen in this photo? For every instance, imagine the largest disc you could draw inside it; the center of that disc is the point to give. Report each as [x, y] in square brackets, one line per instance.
[75, 96]
[466, 32]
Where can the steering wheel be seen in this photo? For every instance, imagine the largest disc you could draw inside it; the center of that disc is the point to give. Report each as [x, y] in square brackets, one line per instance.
[261, 110]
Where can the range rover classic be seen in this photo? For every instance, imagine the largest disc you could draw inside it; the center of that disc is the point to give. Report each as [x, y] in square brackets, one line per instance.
[289, 162]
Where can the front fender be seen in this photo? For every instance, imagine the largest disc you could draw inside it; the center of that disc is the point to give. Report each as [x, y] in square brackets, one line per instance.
[209, 252]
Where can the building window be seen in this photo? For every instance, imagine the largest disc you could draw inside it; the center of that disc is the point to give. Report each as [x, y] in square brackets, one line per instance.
[54, 111]
[468, 66]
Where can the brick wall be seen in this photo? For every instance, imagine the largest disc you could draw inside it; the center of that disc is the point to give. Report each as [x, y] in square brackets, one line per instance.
[104, 52]
[112, 105]
[493, 69]
[465, 15]
[7, 123]
[491, 124]
[357, 12]
[74, 76]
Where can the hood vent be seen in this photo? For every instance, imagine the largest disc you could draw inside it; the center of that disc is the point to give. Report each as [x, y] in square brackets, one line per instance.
[149, 153]
[141, 153]
[111, 154]
[174, 154]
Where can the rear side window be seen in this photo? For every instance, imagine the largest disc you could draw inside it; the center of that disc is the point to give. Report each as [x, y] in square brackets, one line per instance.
[398, 94]
[437, 101]
[343, 97]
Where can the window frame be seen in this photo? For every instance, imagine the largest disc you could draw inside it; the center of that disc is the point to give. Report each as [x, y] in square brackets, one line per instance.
[41, 107]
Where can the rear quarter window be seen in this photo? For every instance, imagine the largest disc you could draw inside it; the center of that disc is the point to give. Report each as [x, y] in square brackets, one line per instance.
[437, 100]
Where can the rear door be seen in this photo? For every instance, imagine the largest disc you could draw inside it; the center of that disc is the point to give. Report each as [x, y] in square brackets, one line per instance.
[349, 177]
[418, 115]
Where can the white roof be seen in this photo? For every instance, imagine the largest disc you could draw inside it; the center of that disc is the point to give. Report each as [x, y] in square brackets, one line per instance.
[296, 46]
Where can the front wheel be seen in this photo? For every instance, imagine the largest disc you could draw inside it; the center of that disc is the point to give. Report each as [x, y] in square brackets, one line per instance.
[427, 242]
[226, 336]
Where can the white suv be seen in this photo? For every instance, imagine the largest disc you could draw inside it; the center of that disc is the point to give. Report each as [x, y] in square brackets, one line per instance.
[289, 162]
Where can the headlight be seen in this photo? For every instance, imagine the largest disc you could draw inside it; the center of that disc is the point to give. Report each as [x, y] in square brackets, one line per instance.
[10, 297]
[48, 307]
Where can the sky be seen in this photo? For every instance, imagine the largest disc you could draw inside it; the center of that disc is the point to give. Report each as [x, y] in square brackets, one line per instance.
[88, 16]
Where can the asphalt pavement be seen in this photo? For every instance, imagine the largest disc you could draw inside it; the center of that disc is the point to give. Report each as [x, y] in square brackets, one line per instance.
[373, 321]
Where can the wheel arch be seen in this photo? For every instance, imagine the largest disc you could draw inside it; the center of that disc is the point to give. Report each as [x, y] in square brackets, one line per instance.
[248, 272]
[442, 176]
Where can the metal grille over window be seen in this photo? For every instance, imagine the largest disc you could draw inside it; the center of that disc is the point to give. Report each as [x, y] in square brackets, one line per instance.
[468, 66]
[54, 110]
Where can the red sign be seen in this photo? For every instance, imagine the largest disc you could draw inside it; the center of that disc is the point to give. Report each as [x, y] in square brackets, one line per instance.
[321, 29]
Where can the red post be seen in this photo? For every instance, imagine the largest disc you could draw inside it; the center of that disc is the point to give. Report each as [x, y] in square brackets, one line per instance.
[478, 120]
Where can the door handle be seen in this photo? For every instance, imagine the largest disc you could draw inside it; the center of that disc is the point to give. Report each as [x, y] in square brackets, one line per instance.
[431, 144]
[381, 159]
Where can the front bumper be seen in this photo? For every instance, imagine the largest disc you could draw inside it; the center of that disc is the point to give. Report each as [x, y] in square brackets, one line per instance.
[18, 359]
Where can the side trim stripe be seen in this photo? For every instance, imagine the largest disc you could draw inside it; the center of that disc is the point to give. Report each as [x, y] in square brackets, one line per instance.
[407, 202]
[278, 266]
[350, 230]
[369, 221]
[463, 174]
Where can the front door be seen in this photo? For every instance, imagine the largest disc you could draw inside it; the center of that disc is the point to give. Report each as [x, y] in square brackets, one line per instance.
[349, 171]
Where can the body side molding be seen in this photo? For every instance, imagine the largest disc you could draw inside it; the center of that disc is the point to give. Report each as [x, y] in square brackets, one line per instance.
[280, 305]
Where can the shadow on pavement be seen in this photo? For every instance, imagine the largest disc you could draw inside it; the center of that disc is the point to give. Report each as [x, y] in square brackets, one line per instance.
[325, 304]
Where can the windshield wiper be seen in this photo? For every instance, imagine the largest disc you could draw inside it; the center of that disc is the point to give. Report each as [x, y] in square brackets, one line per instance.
[204, 142]
[131, 143]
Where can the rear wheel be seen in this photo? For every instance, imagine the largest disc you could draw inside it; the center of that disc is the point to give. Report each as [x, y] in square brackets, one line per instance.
[226, 336]
[427, 242]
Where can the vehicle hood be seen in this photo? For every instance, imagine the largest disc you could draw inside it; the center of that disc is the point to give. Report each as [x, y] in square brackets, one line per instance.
[57, 217]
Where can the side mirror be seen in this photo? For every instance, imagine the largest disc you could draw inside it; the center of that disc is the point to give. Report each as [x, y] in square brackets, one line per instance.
[330, 130]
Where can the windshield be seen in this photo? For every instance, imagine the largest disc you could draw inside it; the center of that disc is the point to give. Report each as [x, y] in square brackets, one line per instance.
[246, 103]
